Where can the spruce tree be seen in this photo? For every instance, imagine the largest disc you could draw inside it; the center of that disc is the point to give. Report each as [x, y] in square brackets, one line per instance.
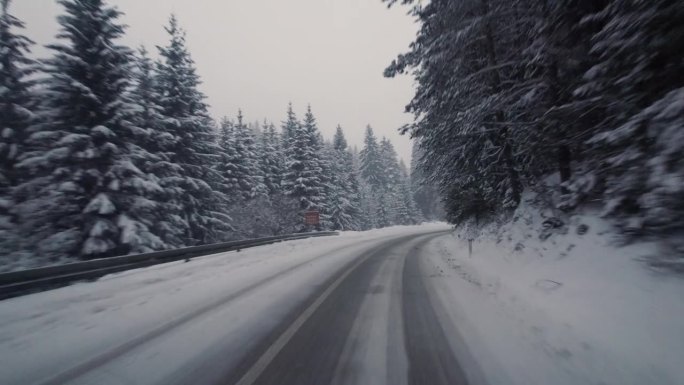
[371, 162]
[289, 128]
[392, 204]
[466, 110]
[16, 113]
[637, 84]
[303, 175]
[195, 149]
[390, 164]
[589, 90]
[152, 155]
[227, 166]
[16, 101]
[88, 196]
[414, 215]
[248, 172]
[343, 194]
[368, 203]
[271, 159]
[283, 215]
[339, 141]
[425, 194]
[354, 188]
[374, 189]
[320, 165]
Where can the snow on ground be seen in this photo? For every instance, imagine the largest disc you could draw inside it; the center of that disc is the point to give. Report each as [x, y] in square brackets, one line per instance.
[571, 309]
[46, 333]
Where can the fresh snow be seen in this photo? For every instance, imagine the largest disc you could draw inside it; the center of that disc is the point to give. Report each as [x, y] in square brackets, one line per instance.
[571, 309]
[43, 334]
[522, 309]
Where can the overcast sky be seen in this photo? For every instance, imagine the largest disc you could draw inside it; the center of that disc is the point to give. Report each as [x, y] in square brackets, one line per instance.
[260, 54]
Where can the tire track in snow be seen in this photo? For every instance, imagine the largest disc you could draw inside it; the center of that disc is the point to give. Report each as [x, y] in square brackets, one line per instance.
[431, 360]
[309, 349]
[87, 366]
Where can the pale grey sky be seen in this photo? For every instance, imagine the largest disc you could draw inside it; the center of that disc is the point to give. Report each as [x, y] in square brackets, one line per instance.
[260, 54]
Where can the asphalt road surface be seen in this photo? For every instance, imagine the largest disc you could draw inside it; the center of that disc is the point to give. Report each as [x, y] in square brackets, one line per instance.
[369, 320]
[336, 340]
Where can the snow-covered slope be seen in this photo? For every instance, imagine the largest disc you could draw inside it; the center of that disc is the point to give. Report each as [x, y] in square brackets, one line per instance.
[568, 309]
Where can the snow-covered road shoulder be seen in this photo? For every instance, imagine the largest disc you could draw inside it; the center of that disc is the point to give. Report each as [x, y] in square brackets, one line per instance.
[568, 309]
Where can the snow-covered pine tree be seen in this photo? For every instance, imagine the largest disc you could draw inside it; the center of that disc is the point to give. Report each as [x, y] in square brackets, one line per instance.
[195, 147]
[339, 141]
[425, 195]
[365, 219]
[303, 179]
[588, 89]
[552, 126]
[374, 189]
[288, 129]
[354, 187]
[16, 113]
[326, 159]
[152, 153]
[406, 192]
[368, 202]
[343, 194]
[393, 207]
[16, 102]
[255, 127]
[637, 84]
[270, 212]
[390, 164]
[320, 165]
[371, 162]
[227, 167]
[272, 162]
[248, 172]
[463, 108]
[255, 211]
[85, 199]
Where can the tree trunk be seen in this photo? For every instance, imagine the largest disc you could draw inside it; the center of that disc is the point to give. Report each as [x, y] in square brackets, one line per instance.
[564, 154]
[564, 159]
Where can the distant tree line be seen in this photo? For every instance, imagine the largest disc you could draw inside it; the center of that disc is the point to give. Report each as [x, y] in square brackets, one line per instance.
[105, 151]
[513, 91]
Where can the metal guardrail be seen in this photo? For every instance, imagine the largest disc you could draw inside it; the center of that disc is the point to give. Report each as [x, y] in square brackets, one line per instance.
[23, 282]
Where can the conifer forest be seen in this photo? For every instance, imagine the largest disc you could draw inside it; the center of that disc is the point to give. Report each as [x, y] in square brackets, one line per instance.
[106, 151]
[511, 92]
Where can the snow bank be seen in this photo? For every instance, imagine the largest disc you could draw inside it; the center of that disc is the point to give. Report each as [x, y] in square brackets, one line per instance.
[567, 309]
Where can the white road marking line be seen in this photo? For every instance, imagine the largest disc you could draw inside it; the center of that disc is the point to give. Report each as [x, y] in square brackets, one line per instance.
[258, 368]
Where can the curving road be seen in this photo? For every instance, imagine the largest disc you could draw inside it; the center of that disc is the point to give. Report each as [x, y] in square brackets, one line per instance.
[373, 325]
[358, 312]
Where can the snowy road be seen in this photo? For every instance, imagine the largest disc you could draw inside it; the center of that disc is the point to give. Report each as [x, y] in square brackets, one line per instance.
[355, 309]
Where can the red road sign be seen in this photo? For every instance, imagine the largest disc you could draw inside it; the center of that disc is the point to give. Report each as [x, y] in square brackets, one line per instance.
[312, 218]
